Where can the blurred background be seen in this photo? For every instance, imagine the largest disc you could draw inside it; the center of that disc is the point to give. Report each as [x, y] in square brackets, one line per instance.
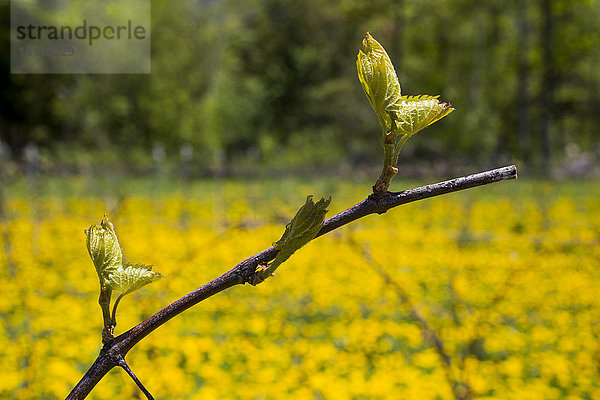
[271, 86]
[251, 106]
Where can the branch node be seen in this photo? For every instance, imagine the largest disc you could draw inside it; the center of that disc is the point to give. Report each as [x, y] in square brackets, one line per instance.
[258, 276]
[107, 335]
[377, 198]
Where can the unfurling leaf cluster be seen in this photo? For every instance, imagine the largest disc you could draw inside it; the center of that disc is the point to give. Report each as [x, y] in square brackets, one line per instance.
[303, 228]
[103, 247]
[400, 116]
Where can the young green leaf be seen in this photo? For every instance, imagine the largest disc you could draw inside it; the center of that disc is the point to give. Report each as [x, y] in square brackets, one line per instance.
[399, 116]
[417, 112]
[103, 247]
[303, 228]
[378, 77]
[132, 277]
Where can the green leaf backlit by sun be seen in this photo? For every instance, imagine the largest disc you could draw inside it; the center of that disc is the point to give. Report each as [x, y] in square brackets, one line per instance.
[400, 116]
[418, 112]
[378, 78]
[132, 277]
[104, 249]
[105, 252]
[303, 228]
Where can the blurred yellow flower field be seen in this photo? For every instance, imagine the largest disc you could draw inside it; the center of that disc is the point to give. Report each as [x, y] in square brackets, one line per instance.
[492, 293]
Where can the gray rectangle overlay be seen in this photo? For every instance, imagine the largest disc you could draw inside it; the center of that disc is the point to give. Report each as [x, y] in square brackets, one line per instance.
[69, 36]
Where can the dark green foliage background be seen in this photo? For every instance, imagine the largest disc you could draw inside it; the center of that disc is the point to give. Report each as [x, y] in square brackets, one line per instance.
[273, 83]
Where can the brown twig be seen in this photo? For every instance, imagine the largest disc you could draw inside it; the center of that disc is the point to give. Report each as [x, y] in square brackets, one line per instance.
[124, 365]
[242, 273]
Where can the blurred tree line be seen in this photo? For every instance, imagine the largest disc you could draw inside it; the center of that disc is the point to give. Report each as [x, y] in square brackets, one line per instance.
[273, 82]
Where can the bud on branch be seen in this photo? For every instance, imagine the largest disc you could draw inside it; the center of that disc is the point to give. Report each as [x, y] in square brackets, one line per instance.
[400, 116]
